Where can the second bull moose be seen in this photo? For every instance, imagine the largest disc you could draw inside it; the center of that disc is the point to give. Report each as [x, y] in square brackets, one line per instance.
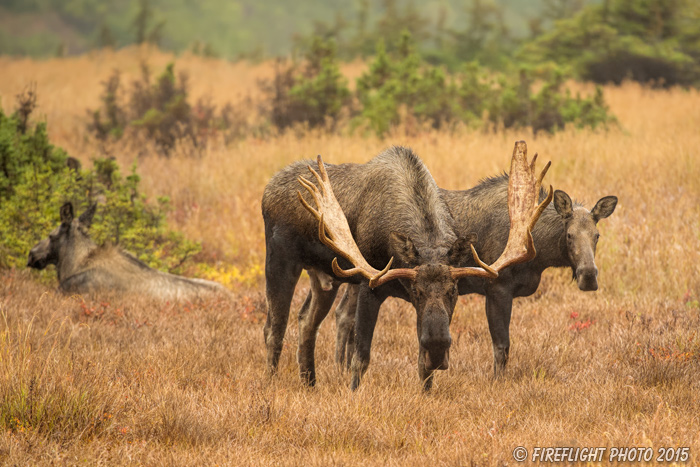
[372, 214]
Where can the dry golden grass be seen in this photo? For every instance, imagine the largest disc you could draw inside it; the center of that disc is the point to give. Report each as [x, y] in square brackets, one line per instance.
[121, 381]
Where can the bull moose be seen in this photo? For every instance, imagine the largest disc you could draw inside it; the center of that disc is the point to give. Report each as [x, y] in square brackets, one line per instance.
[370, 215]
[565, 237]
[84, 267]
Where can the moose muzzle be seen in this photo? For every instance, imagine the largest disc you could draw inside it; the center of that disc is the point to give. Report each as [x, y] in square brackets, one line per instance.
[435, 340]
[587, 278]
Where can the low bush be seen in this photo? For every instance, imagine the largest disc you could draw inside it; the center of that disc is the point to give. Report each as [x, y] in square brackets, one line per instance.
[160, 111]
[36, 178]
[311, 93]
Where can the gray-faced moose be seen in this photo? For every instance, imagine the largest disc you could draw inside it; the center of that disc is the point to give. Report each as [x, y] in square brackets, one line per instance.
[83, 267]
[386, 209]
[565, 236]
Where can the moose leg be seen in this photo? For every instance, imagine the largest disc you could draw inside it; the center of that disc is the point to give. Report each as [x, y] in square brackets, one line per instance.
[316, 307]
[281, 276]
[345, 326]
[499, 303]
[368, 304]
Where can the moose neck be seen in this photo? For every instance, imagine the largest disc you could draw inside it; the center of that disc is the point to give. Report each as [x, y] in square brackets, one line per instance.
[73, 254]
[418, 210]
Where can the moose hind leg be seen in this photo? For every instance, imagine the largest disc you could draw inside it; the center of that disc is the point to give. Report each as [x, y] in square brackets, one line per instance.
[499, 305]
[281, 276]
[345, 326]
[314, 310]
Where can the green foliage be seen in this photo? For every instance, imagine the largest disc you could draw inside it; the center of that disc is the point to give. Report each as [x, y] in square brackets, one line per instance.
[313, 94]
[643, 40]
[35, 180]
[514, 104]
[404, 84]
[396, 89]
[160, 111]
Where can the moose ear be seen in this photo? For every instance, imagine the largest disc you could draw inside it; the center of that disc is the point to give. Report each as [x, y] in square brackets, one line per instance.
[460, 251]
[86, 217]
[603, 208]
[563, 205]
[403, 248]
[67, 213]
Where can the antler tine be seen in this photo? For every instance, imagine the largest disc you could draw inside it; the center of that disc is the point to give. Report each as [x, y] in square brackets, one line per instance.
[483, 265]
[543, 173]
[308, 207]
[484, 270]
[540, 208]
[532, 165]
[323, 178]
[378, 279]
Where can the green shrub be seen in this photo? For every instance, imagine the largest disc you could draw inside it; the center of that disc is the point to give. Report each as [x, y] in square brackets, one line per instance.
[35, 180]
[404, 82]
[312, 94]
[514, 105]
[403, 86]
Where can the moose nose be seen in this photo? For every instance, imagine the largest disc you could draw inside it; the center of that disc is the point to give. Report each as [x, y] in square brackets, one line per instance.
[436, 342]
[435, 332]
[587, 278]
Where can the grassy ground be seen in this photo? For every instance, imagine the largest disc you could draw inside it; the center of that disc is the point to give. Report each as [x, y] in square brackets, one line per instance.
[123, 381]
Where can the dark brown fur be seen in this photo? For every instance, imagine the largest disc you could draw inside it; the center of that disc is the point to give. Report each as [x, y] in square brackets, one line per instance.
[393, 208]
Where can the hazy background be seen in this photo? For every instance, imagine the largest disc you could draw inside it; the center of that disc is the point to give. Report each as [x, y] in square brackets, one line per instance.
[231, 28]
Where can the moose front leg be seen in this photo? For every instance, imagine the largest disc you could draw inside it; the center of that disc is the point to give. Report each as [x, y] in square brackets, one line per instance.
[368, 303]
[281, 276]
[499, 304]
[345, 326]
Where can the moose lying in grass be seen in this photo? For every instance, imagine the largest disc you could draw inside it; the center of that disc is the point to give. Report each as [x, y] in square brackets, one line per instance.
[83, 267]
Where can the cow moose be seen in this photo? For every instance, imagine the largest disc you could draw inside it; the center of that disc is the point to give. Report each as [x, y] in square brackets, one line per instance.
[565, 237]
[83, 267]
[372, 214]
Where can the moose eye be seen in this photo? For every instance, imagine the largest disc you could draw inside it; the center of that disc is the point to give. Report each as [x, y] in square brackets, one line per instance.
[569, 236]
[597, 236]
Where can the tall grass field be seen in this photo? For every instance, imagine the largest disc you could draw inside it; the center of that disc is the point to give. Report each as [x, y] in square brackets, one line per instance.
[126, 381]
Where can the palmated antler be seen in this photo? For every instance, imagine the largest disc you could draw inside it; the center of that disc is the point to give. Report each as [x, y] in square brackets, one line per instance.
[333, 228]
[523, 209]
